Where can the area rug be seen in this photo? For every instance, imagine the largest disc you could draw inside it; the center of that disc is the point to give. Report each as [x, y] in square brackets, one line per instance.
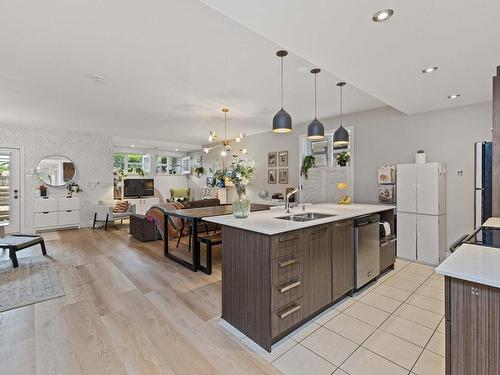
[35, 280]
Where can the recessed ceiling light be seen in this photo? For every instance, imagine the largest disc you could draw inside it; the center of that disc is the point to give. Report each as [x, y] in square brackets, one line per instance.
[430, 69]
[454, 96]
[382, 15]
[176, 149]
[132, 146]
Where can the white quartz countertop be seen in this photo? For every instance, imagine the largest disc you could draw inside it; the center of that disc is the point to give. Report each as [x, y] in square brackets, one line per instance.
[266, 222]
[480, 264]
[492, 222]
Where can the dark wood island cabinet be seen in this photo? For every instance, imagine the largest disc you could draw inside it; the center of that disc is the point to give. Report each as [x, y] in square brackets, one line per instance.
[272, 284]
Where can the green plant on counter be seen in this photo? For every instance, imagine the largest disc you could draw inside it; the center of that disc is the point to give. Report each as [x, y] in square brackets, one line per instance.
[308, 163]
[199, 170]
[343, 158]
[137, 170]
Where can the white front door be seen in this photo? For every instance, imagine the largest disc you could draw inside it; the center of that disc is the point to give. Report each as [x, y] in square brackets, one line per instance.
[10, 192]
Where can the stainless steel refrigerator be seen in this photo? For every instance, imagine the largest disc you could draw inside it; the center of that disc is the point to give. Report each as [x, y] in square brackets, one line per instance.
[483, 161]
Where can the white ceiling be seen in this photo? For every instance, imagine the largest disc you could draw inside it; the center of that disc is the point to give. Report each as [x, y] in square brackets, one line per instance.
[168, 67]
[462, 37]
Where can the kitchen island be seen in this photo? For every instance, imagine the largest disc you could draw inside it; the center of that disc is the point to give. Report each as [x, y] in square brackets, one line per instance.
[279, 273]
[472, 308]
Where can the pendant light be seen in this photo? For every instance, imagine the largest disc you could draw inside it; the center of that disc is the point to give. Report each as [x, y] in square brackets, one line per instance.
[282, 121]
[341, 135]
[315, 130]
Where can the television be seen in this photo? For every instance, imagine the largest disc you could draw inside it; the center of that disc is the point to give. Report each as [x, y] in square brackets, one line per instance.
[136, 188]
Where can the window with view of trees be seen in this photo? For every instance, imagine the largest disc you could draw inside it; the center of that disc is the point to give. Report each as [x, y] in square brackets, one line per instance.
[137, 164]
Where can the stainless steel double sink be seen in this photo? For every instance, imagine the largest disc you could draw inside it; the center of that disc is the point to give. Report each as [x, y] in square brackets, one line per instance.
[306, 216]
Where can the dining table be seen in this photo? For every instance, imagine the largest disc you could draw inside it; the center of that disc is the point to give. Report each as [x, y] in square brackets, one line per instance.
[195, 216]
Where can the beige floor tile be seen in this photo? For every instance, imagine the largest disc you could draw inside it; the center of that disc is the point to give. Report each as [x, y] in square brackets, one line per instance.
[350, 327]
[435, 283]
[277, 349]
[437, 343]
[300, 360]
[344, 304]
[386, 275]
[429, 291]
[398, 282]
[326, 315]
[420, 268]
[437, 276]
[392, 292]
[365, 290]
[340, 372]
[441, 326]
[381, 302]
[393, 348]
[429, 364]
[365, 362]
[329, 345]
[413, 332]
[418, 315]
[426, 303]
[367, 314]
[304, 331]
[400, 264]
[412, 276]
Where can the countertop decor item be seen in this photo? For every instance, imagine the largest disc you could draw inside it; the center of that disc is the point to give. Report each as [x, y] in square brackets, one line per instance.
[43, 190]
[241, 172]
[341, 135]
[225, 142]
[420, 157]
[263, 194]
[343, 159]
[346, 199]
[307, 163]
[315, 130]
[282, 121]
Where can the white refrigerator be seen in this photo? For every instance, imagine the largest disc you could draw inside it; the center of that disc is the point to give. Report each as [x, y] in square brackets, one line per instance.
[421, 212]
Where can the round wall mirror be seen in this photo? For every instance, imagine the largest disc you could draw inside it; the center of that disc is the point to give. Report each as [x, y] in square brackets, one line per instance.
[56, 170]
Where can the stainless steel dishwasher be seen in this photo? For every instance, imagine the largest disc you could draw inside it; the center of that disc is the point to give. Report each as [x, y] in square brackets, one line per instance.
[366, 249]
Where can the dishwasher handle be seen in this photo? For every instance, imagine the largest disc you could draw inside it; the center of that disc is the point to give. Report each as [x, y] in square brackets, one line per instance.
[366, 220]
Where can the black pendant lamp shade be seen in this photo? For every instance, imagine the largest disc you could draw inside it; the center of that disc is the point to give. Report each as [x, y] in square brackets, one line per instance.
[341, 135]
[315, 130]
[282, 121]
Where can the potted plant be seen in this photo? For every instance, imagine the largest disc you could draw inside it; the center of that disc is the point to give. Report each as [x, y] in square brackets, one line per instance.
[240, 173]
[219, 176]
[43, 190]
[308, 162]
[343, 158]
[199, 170]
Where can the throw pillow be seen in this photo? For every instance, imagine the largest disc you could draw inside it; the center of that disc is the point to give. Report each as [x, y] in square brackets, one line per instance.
[121, 207]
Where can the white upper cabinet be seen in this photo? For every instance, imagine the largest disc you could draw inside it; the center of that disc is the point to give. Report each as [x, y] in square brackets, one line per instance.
[430, 183]
[406, 188]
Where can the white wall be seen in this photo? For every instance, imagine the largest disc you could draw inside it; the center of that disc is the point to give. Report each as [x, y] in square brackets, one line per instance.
[92, 155]
[386, 136]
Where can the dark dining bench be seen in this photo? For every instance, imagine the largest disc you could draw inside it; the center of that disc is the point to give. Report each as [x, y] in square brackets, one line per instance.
[209, 241]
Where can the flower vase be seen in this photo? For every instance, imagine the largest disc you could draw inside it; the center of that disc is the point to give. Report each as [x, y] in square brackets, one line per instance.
[241, 206]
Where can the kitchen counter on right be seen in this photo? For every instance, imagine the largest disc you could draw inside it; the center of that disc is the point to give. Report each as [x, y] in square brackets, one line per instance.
[479, 264]
[472, 308]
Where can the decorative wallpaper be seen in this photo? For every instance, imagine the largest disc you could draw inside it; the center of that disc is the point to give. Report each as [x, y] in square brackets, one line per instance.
[91, 153]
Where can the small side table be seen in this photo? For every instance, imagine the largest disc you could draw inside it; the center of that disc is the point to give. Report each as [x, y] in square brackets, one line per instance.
[15, 243]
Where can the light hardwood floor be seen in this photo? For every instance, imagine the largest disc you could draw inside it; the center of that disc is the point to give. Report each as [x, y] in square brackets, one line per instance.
[127, 310]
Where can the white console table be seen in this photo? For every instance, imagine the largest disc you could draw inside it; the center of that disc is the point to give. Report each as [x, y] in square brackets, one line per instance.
[142, 205]
[56, 212]
[224, 194]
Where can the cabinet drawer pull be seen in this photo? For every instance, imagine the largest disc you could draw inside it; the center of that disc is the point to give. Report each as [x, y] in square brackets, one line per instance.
[45, 212]
[289, 238]
[318, 230]
[287, 263]
[69, 210]
[290, 311]
[286, 288]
